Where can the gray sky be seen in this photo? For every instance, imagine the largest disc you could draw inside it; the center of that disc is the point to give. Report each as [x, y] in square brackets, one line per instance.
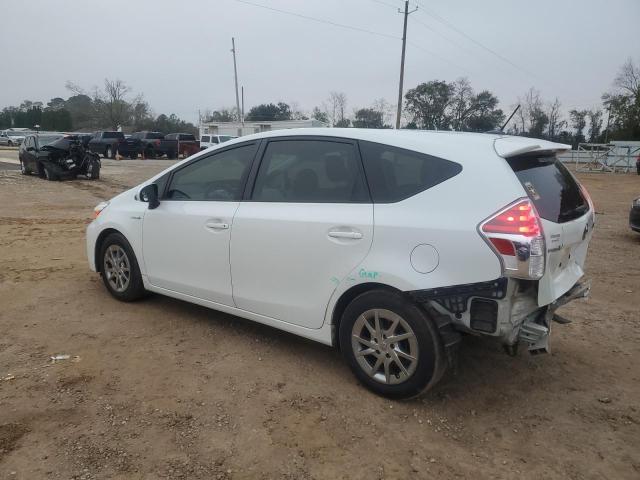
[178, 53]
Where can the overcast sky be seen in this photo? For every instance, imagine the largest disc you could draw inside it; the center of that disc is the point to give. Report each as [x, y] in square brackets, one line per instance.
[178, 53]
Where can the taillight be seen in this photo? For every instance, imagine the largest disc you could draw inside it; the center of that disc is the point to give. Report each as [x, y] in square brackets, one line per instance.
[157, 142]
[515, 233]
[587, 197]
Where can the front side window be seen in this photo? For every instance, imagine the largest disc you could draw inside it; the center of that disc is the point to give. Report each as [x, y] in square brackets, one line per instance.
[395, 174]
[205, 138]
[310, 171]
[217, 177]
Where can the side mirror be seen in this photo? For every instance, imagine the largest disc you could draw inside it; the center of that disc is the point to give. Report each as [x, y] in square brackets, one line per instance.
[149, 194]
[31, 149]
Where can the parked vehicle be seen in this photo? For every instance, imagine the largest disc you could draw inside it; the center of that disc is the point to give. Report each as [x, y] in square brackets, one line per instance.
[106, 143]
[187, 143]
[149, 145]
[11, 138]
[58, 156]
[634, 215]
[207, 141]
[472, 233]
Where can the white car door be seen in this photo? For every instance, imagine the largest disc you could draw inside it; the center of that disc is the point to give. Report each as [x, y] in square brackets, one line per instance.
[306, 226]
[186, 238]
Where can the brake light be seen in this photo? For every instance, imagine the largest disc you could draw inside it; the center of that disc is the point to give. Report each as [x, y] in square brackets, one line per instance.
[519, 219]
[515, 233]
[157, 142]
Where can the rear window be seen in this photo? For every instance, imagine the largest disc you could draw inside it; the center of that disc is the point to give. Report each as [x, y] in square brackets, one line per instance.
[187, 137]
[113, 135]
[552, 188]
[395, 174]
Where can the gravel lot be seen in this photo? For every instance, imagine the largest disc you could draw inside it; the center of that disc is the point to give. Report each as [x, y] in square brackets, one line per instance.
[165, 389]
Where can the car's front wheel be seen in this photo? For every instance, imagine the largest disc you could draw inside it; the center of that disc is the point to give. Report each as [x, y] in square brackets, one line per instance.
[24, 170]
[120, 272]
[391, 345]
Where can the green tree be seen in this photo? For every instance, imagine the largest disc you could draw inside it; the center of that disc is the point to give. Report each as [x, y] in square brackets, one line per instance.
[428, 104]
[595, 125]
[578, 123]
[368, 118]
[320, 115]
[269, 112]
[623, 103]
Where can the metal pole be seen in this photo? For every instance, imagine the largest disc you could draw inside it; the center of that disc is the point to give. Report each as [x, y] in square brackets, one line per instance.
[404, 48]
[235, 71]
[242, 113]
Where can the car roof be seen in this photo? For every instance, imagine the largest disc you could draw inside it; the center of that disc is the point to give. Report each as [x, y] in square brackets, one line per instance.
[445, 144]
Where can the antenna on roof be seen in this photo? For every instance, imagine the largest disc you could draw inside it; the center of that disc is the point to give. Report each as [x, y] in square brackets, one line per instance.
[510, 117]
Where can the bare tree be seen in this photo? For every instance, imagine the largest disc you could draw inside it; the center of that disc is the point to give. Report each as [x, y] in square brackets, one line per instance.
[595, 125]
[336, 106]
[462, 102]
[386, 109]
[116, 107]
[628, 79]
[556, 123]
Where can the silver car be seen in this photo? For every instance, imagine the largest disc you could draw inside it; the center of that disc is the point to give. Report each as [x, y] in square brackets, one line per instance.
[11, 138]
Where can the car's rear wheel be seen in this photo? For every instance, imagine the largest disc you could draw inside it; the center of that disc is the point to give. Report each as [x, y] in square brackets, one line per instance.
[120, 272]
[110, 152]
[10, 143]
[391, 345]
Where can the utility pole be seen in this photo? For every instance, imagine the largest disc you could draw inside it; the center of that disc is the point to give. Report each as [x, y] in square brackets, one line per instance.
[235, 71]
[242, 111]
[404, 48]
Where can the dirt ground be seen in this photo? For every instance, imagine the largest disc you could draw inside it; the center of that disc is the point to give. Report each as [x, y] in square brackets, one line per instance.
[166, 389]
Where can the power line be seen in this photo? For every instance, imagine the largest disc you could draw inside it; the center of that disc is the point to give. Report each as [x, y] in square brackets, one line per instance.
[448, 24]
[319, 20]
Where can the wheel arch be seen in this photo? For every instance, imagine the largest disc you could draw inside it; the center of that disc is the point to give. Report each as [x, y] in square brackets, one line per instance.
[347, 297]
[98, 246]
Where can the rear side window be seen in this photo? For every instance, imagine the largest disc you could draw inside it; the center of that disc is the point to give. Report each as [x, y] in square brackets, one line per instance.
[187, 137]
[154, 136]
[310, 171]
[395, 174]
[551, 187]
[205, 138]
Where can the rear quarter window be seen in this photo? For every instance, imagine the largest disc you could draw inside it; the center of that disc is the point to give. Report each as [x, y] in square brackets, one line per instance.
[550, 186]
[395, 174]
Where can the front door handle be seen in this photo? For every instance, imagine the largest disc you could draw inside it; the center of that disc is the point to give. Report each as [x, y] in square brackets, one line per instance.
[342, 234]
[217, 225]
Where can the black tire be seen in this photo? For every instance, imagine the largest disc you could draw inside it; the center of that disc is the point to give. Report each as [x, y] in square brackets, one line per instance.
[40, 170]
[133, 155]
[23, 169]
[171, 155]
[93, 172]
[426, 346]
[150, 153]
[49, 174]
[9, 143]
[135, 288]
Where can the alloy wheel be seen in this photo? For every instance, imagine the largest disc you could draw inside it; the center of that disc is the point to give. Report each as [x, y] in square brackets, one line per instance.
[385, 346]
[117, 268]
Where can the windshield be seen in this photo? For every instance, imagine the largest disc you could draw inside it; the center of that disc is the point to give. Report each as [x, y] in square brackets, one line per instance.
[552, 188]
[47, 139]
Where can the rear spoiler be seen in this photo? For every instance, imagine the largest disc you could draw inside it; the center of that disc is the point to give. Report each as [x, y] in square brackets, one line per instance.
[512, 146]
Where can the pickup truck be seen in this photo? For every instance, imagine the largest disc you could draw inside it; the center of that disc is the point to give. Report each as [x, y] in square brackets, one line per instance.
[187, 143]
[149, 145]
[106, 143]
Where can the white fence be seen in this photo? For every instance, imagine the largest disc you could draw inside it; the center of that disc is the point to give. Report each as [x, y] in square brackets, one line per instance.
[617, 156]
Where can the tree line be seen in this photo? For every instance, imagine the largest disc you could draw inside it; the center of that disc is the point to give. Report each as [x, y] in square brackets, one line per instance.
[110, 108]
[435, 104]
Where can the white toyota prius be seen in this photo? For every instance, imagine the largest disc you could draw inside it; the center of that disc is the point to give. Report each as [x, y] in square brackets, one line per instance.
[387, 244]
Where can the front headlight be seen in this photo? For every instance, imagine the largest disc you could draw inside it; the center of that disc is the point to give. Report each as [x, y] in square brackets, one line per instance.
[99, 208]
[636, 202]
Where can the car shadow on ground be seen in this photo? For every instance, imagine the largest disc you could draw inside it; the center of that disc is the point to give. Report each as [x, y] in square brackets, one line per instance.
[481, 361]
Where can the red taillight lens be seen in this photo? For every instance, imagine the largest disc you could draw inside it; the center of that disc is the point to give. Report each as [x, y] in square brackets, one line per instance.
[586, 196]
[157, 142]
[504, 246]
[519, 219]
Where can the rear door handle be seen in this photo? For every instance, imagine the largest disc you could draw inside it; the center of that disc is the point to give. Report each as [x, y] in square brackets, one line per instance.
[217, 225]
[341, 234]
